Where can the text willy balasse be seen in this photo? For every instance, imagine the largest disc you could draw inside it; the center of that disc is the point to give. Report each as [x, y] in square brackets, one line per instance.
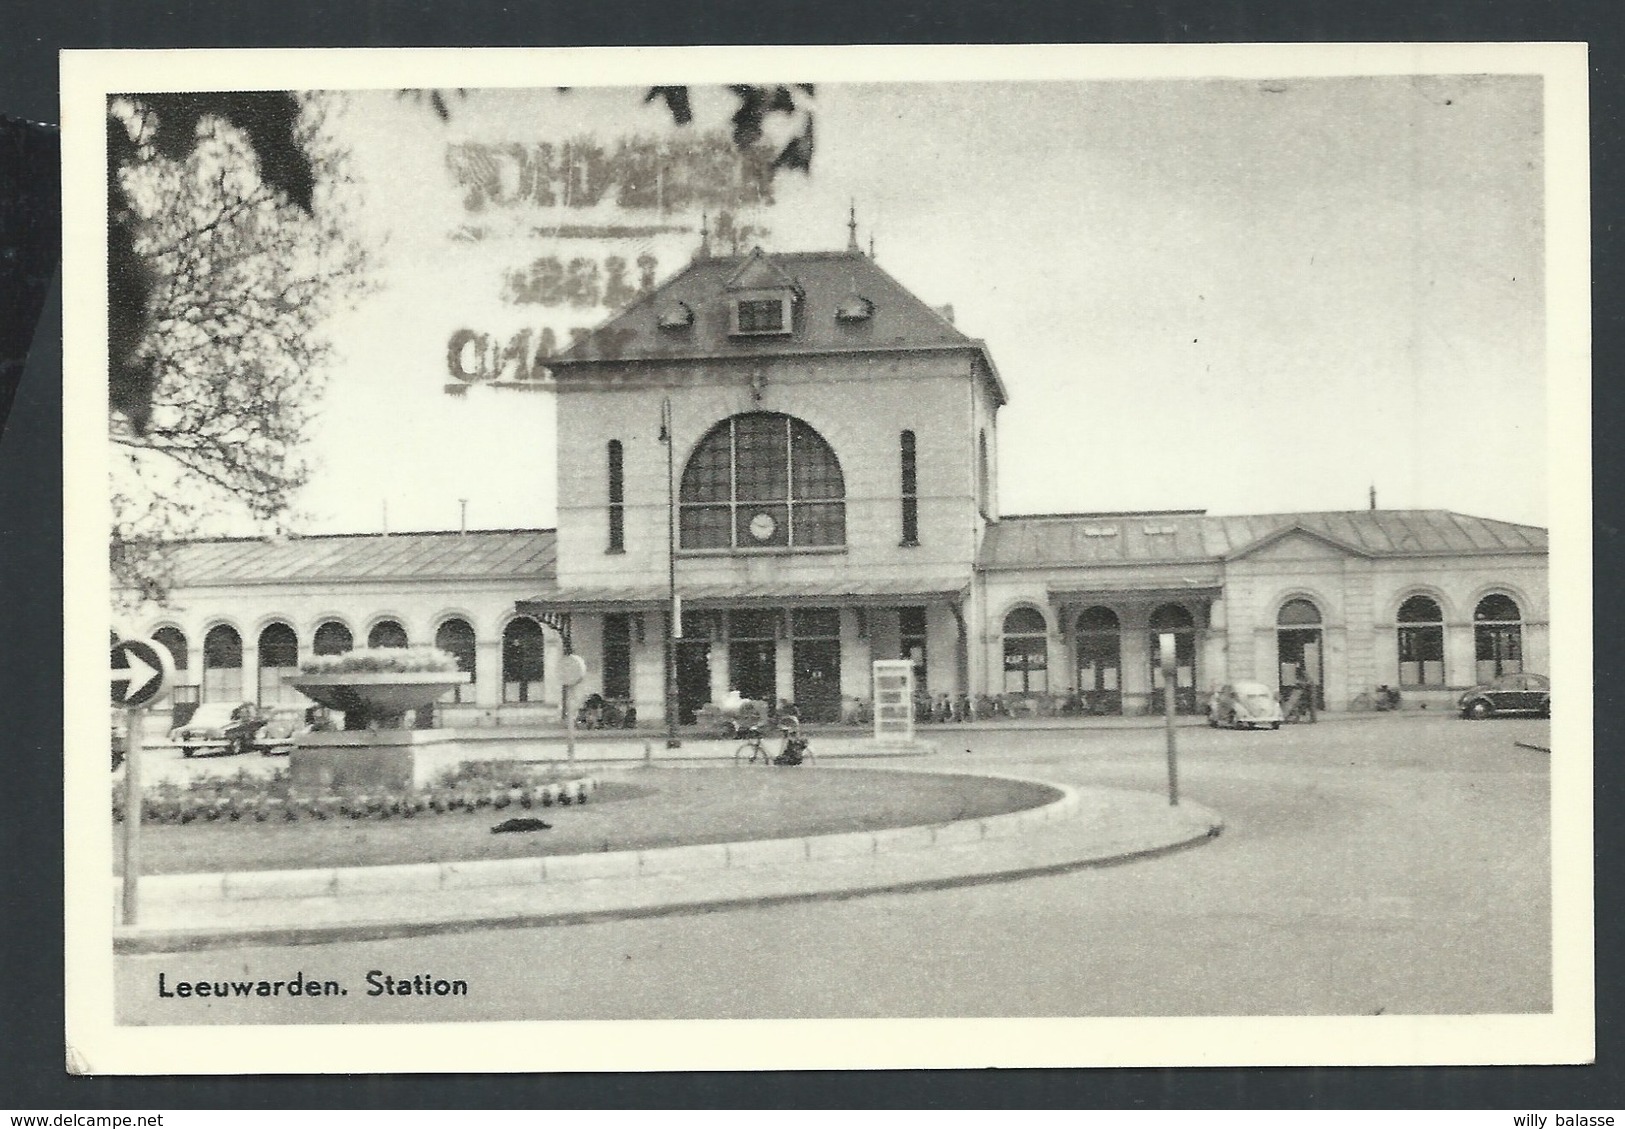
[379, 983]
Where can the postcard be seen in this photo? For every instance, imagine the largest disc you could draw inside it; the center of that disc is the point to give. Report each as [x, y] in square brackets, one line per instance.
[819, 558]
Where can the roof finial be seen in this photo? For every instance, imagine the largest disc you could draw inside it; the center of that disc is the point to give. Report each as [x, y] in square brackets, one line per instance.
[705, 237]
[871, 244]
[852, 228]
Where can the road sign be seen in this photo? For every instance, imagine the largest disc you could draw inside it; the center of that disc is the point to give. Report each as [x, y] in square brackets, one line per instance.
[572, 670]
[139, 670]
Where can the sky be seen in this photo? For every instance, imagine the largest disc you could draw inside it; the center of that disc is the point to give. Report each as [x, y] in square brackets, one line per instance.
[1234, 295]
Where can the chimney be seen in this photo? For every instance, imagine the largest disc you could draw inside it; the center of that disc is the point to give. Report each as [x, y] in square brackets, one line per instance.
[946, 313]
[1373, 496]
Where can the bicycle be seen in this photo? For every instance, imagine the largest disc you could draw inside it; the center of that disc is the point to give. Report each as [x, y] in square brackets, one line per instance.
[793, 749]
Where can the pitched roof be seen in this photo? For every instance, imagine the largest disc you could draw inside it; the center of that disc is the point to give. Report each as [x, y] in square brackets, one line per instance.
[826, 280]
[1062, 540]
[519, 554]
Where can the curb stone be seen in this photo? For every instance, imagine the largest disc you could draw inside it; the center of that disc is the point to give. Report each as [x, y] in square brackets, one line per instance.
[410, 878]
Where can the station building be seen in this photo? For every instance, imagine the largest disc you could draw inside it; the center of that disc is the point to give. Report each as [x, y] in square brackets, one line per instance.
[808, 455]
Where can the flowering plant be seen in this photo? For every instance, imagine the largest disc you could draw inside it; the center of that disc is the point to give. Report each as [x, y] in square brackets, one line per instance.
[382, 660]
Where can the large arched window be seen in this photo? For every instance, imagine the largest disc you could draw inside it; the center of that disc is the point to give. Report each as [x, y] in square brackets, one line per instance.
[279, 660]
[332, 638]
[1421, 642]
[222, 664]
[456, 637]
[762, 480]
[522, 661]
[1026, 652]
[1498, 636]
[386, 633]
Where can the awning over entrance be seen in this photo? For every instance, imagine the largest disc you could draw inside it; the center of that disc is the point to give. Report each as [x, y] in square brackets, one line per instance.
[878, 591]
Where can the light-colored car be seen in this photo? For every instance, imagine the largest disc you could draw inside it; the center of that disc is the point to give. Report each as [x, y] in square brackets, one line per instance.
[1510, 693]
[1244, 704]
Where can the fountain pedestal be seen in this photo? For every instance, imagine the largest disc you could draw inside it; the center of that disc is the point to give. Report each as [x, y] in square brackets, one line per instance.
[372, 752]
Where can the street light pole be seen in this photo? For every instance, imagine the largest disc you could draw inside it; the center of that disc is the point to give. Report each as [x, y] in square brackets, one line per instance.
[674, 623]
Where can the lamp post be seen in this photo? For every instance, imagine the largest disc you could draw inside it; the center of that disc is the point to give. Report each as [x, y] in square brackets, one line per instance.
[674, 622]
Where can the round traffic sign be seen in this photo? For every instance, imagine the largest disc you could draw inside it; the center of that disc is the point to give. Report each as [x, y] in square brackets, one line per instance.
[572, 670]
[139, 670]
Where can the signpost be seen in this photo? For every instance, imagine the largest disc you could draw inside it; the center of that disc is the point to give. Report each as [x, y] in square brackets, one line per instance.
[139, 670]
[571, 671]
[1168, 660]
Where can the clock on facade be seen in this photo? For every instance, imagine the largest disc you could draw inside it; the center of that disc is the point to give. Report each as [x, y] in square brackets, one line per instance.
[762, 526]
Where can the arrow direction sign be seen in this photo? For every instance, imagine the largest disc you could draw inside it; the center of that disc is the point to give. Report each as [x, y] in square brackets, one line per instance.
[138, 671]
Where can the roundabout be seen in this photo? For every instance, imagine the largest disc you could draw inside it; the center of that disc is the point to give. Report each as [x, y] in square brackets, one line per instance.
[803, 835]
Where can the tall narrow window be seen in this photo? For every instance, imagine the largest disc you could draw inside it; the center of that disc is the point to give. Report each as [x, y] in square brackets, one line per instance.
[617, 499]
[911, 499]
[982, 472]
[1421, 643]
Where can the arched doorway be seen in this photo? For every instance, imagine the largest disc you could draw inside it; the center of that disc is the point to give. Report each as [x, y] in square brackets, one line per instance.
[1299, 648]
[1026, 652]
[222, 664]
[456, 637]
[1497, 637]
[1421, 643]
[1174, 619]
[1099, 639]
[279, 662]
[523, 649]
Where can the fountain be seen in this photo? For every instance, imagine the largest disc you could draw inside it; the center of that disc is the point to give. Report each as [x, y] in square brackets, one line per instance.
[374, 688]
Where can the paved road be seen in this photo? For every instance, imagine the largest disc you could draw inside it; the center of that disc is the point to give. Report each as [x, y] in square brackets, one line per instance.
[1394, 864]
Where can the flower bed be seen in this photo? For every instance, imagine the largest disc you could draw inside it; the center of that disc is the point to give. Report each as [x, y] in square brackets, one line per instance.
[382, 660]
[474, 786]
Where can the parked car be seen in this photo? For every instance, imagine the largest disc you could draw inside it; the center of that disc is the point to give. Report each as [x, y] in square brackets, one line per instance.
[1510, 693]
[219, 725]
[1244, 704]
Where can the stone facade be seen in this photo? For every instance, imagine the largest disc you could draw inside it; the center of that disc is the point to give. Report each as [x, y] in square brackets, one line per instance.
[889, 414]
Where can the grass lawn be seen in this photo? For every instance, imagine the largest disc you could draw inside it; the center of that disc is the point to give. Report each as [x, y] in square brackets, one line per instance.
[633, 809]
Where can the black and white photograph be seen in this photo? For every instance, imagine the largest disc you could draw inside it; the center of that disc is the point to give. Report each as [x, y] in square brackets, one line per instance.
[827, 558]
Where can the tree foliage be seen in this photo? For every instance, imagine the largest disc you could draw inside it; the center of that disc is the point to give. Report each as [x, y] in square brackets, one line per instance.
[225, 269]
[227, 253]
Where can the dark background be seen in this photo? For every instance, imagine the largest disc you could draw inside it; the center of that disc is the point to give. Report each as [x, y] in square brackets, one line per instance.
[32, 1075]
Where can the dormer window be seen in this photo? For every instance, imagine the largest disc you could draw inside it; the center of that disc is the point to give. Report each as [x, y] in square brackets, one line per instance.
[855, 308]
[761, 298]
[762, 314]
